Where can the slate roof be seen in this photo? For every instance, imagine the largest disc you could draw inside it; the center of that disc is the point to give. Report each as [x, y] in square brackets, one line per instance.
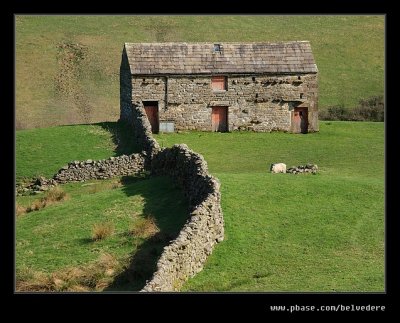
[239, 58]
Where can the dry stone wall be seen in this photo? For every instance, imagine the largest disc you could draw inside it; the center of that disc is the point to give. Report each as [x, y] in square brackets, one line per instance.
[80, 171]
[102, 169]
[186, 255]
[142, 132]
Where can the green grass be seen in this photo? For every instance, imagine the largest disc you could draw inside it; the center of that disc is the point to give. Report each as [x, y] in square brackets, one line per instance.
[56, 242]
[45, 151]
[349, 52]
[284, 232]
[59, 237]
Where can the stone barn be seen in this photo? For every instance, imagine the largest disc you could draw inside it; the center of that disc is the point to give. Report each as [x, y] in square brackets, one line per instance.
[221, 86]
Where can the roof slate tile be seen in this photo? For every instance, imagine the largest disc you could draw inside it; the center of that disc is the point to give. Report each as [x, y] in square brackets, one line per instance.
[200, 58]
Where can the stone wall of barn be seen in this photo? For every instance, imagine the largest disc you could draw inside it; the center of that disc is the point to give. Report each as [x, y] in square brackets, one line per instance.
[125, 89]
[258, 103]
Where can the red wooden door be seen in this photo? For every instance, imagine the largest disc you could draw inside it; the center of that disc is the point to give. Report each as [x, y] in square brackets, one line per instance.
[219, 119]
[152, 115]
[300, 120]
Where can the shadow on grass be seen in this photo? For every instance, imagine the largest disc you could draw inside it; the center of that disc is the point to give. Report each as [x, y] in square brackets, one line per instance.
[166, 204]
[122, 136]
[84, 241]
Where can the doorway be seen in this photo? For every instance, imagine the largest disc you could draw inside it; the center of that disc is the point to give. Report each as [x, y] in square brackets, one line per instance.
[219, 119]
[151, 108]
[300, 120]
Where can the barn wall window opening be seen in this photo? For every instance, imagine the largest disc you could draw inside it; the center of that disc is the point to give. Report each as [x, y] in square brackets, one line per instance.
[218, 83]
[217, 48]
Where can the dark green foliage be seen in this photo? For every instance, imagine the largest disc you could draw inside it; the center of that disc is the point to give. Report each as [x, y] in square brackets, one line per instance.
[371, 109]
[335, 113]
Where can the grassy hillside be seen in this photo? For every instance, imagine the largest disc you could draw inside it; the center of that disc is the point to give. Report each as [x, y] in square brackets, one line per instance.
[284, 232]
[67, 67]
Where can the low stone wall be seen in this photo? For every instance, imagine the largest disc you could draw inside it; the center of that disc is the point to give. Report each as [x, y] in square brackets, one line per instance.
[35, 186]
[186, 255]
[102, 169]
[303, 169]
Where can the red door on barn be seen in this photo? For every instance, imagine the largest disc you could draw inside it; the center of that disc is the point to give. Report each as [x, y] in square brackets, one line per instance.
[300, 120]
[219, 119]
[151, 109]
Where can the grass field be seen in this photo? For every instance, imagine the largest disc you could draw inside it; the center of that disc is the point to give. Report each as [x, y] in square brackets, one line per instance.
[349, 52]
[284, 232]
[44, 152]
[55, 249]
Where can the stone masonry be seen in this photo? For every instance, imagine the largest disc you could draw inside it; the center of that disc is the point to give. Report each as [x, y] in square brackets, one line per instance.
[265, 82]
[80, 171]
[186, 255]
[124, 165]
[143, 135]
[263, 104]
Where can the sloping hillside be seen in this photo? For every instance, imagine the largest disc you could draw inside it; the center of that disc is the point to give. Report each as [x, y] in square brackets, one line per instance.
[67, 67]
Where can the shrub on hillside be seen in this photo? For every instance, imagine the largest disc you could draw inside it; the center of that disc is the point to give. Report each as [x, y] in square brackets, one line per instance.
[102, 230]
[144, 227]
[94, 276]
[52, 196]
[335, 113]
[371, 109]
[55, 195]
[19, 210]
